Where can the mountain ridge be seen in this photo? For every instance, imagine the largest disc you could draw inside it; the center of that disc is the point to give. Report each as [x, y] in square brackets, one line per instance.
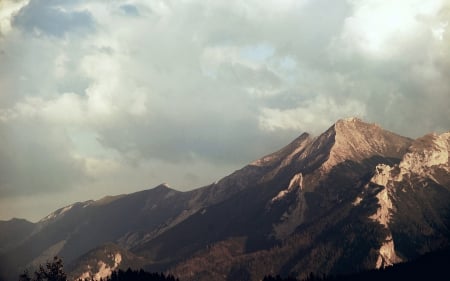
[327, 204]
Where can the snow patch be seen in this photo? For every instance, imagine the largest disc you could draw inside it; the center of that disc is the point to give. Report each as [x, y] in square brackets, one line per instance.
[296, 182]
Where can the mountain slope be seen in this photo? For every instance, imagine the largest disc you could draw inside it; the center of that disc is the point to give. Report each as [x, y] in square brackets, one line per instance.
[355, 197]
[76, 229]
[13, 232]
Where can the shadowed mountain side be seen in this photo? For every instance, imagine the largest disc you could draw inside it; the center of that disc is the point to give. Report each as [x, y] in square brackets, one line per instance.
[431, 266]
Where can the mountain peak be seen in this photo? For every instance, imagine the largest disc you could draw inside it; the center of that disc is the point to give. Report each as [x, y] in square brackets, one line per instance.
[357, 140]
[354, 123]
[348, 139]
[163, 186]
[349, 120]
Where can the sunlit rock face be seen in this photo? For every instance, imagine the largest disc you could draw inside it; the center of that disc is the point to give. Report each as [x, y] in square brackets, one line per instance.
[426, 154]
[103, 269]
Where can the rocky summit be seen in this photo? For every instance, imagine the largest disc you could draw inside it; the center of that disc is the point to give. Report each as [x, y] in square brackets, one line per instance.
[355, 197]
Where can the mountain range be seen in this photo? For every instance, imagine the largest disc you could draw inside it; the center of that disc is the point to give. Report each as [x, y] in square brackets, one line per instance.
[355, 197]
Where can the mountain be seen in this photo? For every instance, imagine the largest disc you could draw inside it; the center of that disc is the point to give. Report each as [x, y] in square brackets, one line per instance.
[356, 197]
[431, 266]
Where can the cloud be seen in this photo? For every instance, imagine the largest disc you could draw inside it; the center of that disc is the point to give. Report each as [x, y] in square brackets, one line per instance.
[8, 9]
[130, 10]
[54, 18]
[36, 159]
[113, 97]
[382, 29]
[317, 113]
[391, 53]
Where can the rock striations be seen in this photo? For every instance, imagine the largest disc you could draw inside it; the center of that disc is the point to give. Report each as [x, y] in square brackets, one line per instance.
[353, 198]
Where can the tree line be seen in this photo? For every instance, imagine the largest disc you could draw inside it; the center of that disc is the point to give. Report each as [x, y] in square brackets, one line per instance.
[54, 271]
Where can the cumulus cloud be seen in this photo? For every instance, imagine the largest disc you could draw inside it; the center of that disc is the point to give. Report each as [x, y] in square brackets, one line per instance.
[102, 98]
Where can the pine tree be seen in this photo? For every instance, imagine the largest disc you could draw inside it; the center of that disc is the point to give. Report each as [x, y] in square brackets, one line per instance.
[52, 271]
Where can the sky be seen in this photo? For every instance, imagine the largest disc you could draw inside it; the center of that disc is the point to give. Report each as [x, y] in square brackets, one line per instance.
[109, 97]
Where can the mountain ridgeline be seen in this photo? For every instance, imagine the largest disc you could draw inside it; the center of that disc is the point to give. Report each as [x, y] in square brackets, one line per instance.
[356, 197]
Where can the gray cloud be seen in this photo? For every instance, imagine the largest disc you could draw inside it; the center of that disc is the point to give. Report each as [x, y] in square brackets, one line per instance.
[208, 135]
[52, 17]
[130, 10]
